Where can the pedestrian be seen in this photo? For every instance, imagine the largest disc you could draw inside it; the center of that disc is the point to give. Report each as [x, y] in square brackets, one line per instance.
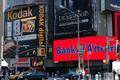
[114, 73]
[4, 73]
[118, 73]
[9, 72]
[83, 73]
[86, 73]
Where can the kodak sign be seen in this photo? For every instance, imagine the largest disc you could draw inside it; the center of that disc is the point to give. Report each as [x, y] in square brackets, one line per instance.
[41, 32]
[22, 13]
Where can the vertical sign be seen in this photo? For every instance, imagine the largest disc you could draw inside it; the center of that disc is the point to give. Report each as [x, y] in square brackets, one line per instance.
[9, 29]
[16, 27]
[41, 32]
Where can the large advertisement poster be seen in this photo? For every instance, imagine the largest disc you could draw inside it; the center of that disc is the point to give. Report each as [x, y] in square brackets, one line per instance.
[112, 5]
[23, 25]
[91, 48]
[41, 31]
[28, 26]
[66, 21]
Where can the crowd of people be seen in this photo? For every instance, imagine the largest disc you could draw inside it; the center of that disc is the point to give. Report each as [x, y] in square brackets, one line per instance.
[83, 72]
[5, 73]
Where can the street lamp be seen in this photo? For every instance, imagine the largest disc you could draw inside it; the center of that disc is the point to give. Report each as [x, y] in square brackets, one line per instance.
[78, 21]
[107, 53]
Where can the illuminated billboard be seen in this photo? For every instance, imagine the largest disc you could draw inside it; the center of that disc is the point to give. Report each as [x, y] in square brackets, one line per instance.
[66, 22]
[26, 26]
[94, 47]
[112, 5]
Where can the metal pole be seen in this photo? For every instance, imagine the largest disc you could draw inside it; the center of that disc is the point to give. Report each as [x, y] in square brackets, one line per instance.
[78, 45]
[88, 64]
[78, 21]
[107, 46]
[107, 54]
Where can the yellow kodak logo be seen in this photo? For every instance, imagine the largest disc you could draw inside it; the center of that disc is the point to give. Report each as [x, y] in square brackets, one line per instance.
[20, 14]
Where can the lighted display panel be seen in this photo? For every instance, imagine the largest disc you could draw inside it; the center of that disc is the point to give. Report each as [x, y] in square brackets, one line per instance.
[112, 5]
[26, 26]
[92, 48]
[66, 22]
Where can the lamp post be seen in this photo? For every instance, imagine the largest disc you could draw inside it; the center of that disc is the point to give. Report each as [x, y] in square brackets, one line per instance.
[107, 53]
[78, 21]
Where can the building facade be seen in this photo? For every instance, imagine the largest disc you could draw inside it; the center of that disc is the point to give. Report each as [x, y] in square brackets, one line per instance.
[54, 32]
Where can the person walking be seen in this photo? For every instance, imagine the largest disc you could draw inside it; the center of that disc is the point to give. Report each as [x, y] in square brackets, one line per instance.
[114, 73]
[86, 73]
[4, 73]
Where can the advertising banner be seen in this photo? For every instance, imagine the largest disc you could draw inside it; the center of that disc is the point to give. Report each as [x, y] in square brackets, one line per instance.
[37, 61]
[23, 62]
[95, 48]
[66, 17]
[16, 26]
[26, 26]
[112, 5]
[9, 29]
[41, 32]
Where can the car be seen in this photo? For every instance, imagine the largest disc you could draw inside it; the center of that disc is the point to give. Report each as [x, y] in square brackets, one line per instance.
[14, 76]
[70, 76]
[32, 75]
[1, 76]
[55, 78]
